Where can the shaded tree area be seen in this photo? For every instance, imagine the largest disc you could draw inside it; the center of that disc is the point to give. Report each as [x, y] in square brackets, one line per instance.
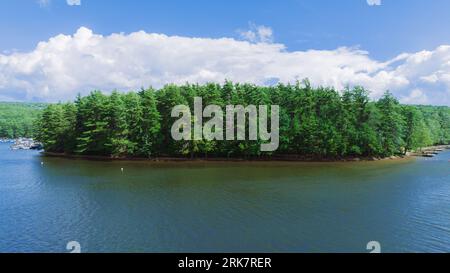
[314, 122]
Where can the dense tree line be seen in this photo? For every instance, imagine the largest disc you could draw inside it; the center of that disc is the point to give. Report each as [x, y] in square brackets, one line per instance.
[314, 122]
[18, 119]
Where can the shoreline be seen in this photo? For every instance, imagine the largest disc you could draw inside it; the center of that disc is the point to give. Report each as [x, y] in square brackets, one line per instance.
[231, 160]
[423, 152]
[430, 151]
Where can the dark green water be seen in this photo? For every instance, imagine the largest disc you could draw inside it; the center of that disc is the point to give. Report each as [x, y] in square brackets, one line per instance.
[222, 207]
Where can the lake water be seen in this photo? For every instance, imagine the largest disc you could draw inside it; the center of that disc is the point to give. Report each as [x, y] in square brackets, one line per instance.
[222, 207]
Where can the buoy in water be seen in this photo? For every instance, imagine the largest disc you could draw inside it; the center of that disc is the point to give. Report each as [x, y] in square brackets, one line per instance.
[121, 169]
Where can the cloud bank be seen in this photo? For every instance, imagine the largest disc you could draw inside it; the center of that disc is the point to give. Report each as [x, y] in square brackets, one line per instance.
[65, 65]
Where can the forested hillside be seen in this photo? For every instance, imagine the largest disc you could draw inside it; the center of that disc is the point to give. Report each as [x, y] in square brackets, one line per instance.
[19, 119]
[317, 122]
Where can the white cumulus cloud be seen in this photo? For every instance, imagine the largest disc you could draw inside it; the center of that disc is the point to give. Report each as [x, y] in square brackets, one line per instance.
[65, 65]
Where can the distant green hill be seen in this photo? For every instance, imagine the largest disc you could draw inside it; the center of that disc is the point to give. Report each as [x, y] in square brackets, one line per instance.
[18, 119]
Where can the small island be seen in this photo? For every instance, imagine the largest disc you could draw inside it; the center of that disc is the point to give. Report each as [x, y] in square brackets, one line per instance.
[316, 124]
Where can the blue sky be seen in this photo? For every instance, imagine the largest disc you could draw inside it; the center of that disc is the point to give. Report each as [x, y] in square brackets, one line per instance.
[394, 27]
[383, 32]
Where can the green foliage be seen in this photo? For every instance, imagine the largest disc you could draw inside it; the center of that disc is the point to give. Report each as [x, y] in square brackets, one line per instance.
[417, 133]
[19, 119]
[146, 131]
[94, 125]
[391, 125]
[56, 127]
[314, 122]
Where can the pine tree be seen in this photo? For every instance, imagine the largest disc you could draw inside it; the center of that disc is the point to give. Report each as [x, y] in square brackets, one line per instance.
[118, 143]
[169, 97]
[92, 121]
[150, 124]
[391, 125]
